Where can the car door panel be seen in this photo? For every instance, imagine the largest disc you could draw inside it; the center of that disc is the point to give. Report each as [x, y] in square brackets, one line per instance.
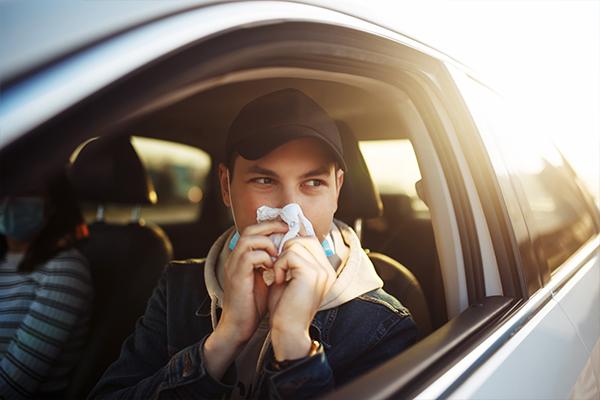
[580, 299]
[542, 360]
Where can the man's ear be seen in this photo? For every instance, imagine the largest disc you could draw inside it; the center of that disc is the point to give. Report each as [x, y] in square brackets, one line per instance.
[223, 180]
[339, 179]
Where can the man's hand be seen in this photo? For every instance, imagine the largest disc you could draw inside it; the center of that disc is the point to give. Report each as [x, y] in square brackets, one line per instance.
[293, 304]
[244, 296]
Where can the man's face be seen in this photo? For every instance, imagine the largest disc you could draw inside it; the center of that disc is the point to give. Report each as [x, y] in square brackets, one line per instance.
[300, 171]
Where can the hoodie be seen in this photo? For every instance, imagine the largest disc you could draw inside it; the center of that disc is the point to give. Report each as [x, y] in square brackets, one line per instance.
[356, 276]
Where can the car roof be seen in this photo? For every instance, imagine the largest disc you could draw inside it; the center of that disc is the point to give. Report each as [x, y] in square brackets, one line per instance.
[202, 120]
[36, 33]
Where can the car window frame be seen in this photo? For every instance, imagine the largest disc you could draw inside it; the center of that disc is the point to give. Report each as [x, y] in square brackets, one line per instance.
[536, 271]
[511, 238]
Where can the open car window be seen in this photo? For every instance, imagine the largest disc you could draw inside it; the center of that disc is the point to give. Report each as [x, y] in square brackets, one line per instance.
[395, 170]
[396, 142]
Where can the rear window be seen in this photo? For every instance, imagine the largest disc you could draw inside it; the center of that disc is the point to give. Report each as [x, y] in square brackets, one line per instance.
[394, 169]
[178, 173]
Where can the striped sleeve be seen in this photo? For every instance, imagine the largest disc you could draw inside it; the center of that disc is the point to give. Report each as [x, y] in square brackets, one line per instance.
[61, 301]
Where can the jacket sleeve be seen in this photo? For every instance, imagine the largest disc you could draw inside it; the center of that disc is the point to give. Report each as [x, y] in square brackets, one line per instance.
[313, 376]
[144, 369]
[401, 334]
[308, 378]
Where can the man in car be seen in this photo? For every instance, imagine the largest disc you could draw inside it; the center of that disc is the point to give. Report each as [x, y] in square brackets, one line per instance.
[253, 320]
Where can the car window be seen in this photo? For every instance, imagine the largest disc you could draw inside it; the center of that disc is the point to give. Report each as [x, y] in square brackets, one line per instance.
[178, 173]
[404, 232]
[555, 211]
[394, 169]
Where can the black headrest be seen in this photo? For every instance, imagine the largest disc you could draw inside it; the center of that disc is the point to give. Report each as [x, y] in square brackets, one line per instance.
[359, 197]
[108, 170]
[15, 187]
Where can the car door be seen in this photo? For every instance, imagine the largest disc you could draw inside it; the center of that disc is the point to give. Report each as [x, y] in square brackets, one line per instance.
[551, 352]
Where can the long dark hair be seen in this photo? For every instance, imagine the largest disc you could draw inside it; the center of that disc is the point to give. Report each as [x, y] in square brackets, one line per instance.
[63, 227]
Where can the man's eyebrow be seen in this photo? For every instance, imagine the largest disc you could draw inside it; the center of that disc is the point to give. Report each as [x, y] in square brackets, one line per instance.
[255, 169]
[323, 170]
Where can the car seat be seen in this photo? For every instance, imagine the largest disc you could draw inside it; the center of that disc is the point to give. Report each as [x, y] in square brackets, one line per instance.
[126, 259]
[359, 199]
[409, 239]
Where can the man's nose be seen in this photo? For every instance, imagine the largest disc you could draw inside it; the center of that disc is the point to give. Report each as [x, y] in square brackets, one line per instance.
[288, 195]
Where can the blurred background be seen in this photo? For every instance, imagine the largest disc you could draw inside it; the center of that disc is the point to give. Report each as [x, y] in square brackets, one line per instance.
[543, 56]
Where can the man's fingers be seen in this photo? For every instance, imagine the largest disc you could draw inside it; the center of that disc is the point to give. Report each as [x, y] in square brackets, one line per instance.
[279, 270]
[248, 261]
[312, 258]
[295, 262]
[250, 243]
[311, 244]
[265, 228]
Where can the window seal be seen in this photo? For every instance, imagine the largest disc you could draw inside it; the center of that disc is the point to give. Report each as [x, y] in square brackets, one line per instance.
[504, 241]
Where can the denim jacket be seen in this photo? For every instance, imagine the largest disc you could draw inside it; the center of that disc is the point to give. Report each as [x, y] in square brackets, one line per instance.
[163, 357]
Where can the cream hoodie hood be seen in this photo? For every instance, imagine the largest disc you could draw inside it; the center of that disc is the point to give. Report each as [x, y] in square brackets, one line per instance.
[354, 278]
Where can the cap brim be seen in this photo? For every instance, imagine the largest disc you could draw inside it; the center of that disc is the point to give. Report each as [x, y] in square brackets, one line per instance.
[260, 144]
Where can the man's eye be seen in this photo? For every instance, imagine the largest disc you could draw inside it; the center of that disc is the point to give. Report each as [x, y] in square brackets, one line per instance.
[314, 182]
[263, 180]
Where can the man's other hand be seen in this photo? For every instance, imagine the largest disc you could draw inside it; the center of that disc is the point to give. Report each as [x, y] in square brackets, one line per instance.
[294, 303]
[244, 297]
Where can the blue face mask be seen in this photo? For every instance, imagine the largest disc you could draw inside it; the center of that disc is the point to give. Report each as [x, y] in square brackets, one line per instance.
[21, 218]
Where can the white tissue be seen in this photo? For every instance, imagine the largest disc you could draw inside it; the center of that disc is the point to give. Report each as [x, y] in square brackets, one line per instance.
[292, 215]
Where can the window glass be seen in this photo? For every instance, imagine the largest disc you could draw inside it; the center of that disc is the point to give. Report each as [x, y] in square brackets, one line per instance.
[394, 169]
[404, 232]
[178, 173]
[555, 211]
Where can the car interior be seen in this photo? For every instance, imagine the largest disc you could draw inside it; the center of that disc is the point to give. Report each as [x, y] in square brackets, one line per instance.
[133, 192]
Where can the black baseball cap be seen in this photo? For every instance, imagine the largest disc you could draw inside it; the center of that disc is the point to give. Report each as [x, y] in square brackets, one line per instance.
[273, 119]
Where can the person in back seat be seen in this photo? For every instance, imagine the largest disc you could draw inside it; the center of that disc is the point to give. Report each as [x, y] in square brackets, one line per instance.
[277, 309]
[45, 291]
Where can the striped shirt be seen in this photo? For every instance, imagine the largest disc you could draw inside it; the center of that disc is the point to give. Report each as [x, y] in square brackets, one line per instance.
[44, 318]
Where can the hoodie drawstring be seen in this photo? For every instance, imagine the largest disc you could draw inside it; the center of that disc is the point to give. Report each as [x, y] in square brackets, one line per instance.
[263, 353]
[213, 310]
